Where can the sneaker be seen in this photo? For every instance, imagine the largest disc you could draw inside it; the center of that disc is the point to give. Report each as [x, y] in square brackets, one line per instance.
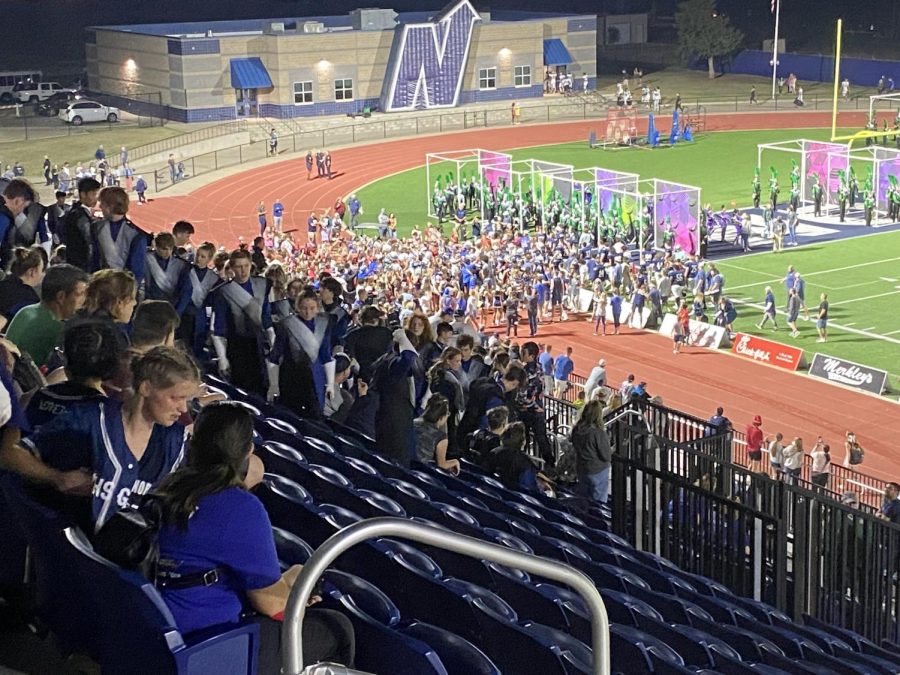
[821, 340]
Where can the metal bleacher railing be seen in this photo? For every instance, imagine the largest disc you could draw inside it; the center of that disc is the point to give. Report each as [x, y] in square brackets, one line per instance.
[869, 489]
[676, 493]
[327, 553]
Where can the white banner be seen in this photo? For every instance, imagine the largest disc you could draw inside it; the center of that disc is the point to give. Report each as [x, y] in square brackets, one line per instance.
[701, 334]
[585, 299]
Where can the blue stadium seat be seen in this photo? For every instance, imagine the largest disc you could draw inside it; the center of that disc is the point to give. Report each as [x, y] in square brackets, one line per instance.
[379, 647]
[496, 630]
[673, 609]
[635, 651]
[384, 505]
[58, 595]
[576, 656]
[459, 656]
[136, 632]
[292, 508]
[515, 587]
[362, 466]
[855, 640]
[291, 549]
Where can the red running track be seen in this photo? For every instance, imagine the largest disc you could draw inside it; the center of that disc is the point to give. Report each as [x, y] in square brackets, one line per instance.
[695, 381]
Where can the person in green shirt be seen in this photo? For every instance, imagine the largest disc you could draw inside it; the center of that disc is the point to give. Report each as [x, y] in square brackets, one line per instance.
[36, 329]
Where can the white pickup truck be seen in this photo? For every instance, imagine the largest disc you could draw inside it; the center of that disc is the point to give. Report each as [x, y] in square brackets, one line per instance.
[40, 91]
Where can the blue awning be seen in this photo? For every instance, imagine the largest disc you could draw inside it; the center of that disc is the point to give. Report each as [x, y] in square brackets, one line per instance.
[249, 74]
[555, 53]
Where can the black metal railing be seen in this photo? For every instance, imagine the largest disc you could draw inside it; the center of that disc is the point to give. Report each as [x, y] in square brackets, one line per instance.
[791, 544]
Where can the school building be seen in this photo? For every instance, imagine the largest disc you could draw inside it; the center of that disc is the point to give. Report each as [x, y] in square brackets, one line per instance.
[370, 59]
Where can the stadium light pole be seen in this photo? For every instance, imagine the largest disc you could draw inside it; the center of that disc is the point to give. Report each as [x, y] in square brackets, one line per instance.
[776, 7]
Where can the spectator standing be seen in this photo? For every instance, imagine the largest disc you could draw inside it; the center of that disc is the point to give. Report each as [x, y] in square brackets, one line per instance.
[755, 439]
[562, 372]
[718, 423]
[776, 456]
[510, 462]
[596, 379]
[793, 459]
[626, 388]
[820, 471]
[36, 329]
[822, 318]
[890, 508]
[853, 451]
[769, 310]
[546, 362]
[593, 454]
[273, 142]
[793, 312]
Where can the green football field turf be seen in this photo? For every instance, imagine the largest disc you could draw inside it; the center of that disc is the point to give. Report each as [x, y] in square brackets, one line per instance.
[860, 275]
[720, 163]
[862, 279]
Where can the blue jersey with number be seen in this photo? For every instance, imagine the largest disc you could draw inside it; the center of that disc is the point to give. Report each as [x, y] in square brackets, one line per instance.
[91, 436]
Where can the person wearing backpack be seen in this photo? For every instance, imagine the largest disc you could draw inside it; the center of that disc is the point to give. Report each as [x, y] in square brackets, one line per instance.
[593, 455]
[853, 451]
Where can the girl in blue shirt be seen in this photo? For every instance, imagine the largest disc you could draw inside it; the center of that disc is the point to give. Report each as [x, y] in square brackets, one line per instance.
[211, 522]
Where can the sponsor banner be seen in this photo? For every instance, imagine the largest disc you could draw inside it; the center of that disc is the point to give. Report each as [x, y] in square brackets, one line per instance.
[767, 351]
[700, 334]
[851, 374]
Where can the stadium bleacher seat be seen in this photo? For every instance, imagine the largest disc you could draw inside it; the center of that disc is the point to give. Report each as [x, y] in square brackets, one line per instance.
[135, 632]
[665, 620]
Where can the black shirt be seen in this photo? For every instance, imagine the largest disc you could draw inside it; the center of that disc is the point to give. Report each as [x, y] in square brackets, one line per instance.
[366, 344]
[14, 295]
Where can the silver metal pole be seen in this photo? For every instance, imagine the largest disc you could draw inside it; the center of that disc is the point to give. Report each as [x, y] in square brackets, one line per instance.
[325, 555]
[775, 46]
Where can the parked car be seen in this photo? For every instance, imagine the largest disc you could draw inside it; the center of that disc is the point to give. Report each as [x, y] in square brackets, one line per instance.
[79, 112]
[40, 91]
[57, 102]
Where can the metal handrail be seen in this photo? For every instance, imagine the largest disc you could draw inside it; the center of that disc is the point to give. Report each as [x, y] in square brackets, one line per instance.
[321, 559]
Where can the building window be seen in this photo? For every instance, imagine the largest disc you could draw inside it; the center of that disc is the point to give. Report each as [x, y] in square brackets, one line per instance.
[487, 78]
[343, 90]
[522, 76]
[303, 93]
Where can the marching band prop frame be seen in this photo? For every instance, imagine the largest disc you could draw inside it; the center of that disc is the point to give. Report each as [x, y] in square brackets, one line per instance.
[494, 170]
[676, 213]
[813, 160]
[882, 163]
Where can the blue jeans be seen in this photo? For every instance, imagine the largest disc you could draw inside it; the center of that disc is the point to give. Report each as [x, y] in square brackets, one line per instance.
[595, 486]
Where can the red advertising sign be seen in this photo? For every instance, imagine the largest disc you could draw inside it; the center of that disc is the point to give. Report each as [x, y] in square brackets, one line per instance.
[766, 351]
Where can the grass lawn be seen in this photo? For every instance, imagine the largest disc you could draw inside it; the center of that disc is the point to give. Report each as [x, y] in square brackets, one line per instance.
[720, 163]
[862, 279]
[77, 147]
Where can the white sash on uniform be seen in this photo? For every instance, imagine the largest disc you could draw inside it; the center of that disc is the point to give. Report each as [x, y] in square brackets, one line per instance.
[166, 280]
[303, 338]
[114, 252]
[201, 289]
[244, 305]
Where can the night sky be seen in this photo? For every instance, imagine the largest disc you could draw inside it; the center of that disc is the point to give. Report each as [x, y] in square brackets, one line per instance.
[56, 44]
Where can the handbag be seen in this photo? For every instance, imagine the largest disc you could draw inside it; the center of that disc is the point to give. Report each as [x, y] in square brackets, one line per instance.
[130, 538]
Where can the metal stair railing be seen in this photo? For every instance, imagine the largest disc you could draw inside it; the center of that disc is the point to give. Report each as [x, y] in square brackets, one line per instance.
[325, 555]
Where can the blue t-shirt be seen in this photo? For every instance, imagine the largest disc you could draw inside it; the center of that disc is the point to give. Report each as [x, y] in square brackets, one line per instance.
[92, 436]
[546, 361]
[57, 399]
[564, 368]
[229, 530]
[277, 209]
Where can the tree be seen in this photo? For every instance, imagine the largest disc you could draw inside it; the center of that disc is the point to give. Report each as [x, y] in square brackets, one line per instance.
[703, 32]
